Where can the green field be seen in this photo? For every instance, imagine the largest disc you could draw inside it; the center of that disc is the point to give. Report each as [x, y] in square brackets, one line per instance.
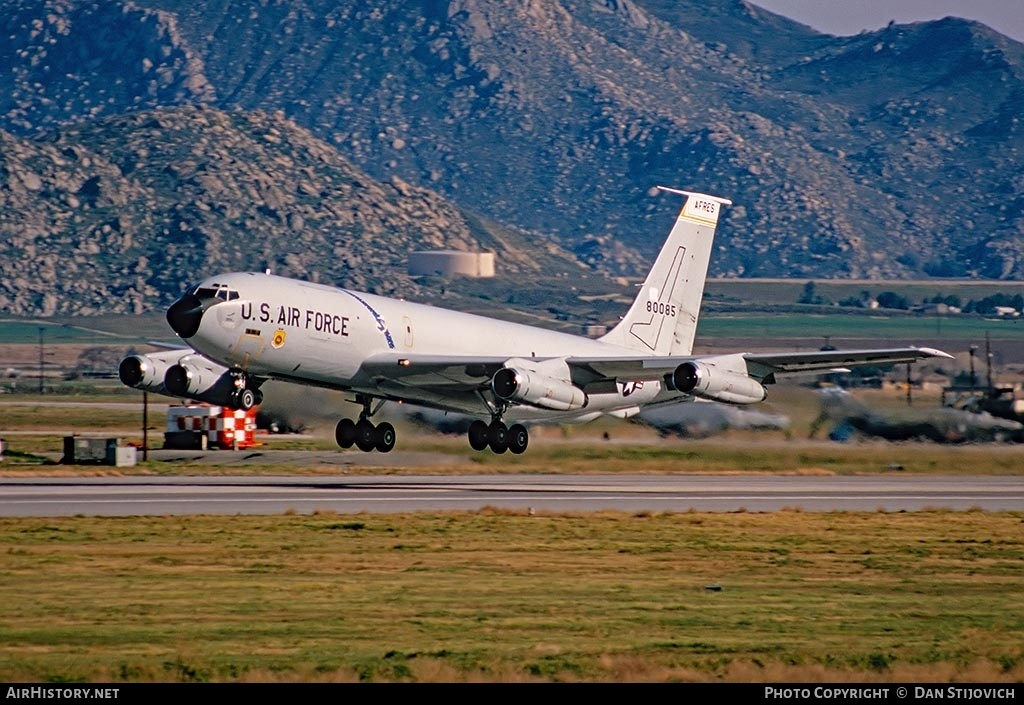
[98, 330]
[500, 596]
[780, 292]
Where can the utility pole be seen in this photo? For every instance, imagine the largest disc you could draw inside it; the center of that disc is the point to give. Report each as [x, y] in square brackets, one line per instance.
[974, 378]
[988, 358]
[42, 355]
[909, 400]
[145, 425]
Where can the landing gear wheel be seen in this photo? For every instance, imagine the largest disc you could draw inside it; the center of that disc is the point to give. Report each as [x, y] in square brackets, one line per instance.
[385, 437]
[366, 436]
[345, 433]
[497, 437]
[478, 435]
[518, 438]
[245, 399]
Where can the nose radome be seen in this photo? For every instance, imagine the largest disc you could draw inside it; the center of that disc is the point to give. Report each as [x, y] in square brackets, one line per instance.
[185, 315]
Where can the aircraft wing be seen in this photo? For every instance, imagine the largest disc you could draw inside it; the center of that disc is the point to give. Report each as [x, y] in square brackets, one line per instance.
[169, 346]
[762, 365]
[757, 365]
[468, 372]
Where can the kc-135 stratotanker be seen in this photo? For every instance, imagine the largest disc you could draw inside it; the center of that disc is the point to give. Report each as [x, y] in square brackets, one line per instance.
[244, 328]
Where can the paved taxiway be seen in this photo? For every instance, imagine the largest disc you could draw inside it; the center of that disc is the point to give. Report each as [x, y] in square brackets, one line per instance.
[230, 495]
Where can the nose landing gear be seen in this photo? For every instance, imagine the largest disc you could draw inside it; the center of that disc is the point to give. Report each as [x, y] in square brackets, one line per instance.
[246, 394]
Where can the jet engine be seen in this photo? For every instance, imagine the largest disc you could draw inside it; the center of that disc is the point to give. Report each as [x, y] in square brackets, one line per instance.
[202, 380]
[145, 372]
[180, 373]
[536, 389]
[710, 382]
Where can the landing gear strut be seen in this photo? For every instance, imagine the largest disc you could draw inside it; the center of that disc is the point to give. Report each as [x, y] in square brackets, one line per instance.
[244, 396]
[498, 436]
[363, 434]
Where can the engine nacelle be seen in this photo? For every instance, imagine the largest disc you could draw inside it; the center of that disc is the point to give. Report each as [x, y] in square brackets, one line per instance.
[536, 389]
[195, 378]
[710, 382]
[144, 372]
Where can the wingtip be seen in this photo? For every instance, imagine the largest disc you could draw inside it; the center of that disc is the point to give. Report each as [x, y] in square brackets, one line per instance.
[933, 352]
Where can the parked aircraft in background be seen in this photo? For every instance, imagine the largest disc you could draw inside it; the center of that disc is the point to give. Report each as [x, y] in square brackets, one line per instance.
[245, 328]
[706, 418]
[941, 424]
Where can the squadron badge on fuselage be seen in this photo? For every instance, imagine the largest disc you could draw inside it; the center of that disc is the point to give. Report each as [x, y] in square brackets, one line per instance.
[278, 339]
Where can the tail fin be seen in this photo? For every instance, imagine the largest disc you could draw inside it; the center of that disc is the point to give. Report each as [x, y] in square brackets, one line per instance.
[663, 318]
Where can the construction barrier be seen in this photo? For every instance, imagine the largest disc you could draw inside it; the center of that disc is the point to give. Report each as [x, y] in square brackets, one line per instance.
[201, 426]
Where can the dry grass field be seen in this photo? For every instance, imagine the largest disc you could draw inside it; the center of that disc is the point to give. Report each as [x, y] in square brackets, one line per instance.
[501, 596]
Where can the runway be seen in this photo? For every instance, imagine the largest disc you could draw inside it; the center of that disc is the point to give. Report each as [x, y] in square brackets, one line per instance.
[244, 495]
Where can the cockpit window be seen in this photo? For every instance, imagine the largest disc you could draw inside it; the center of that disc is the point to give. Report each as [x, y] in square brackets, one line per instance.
[216, 292]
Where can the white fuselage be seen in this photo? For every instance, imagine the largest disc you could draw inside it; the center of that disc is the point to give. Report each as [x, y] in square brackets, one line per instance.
[281, 328]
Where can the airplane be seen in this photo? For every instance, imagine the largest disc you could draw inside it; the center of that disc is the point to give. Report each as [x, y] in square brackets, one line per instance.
[245, 328]
[942, 424]
[701, 418]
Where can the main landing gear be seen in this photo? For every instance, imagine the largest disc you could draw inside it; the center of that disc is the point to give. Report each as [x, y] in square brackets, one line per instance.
[368, 437]
[498, 437]
[363, 434]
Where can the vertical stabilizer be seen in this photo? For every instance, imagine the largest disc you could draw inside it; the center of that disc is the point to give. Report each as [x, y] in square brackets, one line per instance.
[663, 318]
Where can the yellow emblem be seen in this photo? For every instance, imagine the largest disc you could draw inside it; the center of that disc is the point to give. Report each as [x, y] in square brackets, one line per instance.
[278, 339]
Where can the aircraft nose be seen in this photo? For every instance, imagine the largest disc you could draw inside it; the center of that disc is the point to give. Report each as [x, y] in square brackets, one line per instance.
[185, 315]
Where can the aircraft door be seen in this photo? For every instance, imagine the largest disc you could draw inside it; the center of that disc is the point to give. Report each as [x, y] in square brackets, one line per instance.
[248, 347]
[249, 344]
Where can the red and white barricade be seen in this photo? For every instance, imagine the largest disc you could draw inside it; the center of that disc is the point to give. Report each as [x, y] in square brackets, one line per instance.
[218, 426]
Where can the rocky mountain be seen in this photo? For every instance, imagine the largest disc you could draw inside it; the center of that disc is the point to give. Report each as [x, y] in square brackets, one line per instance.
[118, 215]
[890, 154]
